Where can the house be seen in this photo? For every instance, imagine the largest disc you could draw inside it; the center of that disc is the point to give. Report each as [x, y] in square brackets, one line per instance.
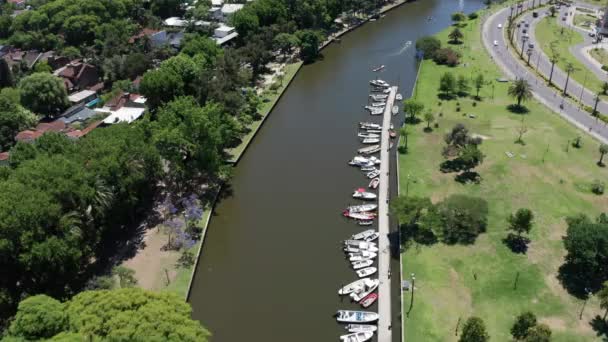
[81, 133]
[159, 38]
[224, 33]
[77, 113]
[83, 97]
[179, 22]
[57, 126]
[4, 158]
[78, 75]
[18, 58]
[123, 108]
[223, 13]
[20, 4]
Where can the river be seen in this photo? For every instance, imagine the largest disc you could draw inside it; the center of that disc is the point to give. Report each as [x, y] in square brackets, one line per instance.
[272, 264]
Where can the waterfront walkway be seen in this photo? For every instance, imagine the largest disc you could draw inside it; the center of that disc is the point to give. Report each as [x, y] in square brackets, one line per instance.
[384, 257]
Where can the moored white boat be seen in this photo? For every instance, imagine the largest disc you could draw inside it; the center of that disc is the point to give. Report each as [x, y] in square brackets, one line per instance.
[378, 96]
[363, 255]
[377, 111]
[360, 248]
[378, 68]
[362, 208]
[399, 97]
[370, 140]
[366, 272]
[368, 300]
[373, 174]
[363, 234]
[370, 125]
[362, 194]
[374, 183]
[349, 288]
[369, 149]
[372, 237]
[395, 110]
[367, 135]
[362, 263]
[379, 83]
[361, 336]
[359, 216]
[369, 285]
[361, 328]
[353, 242]
[378, 104]
[366, 223]
[349, 316]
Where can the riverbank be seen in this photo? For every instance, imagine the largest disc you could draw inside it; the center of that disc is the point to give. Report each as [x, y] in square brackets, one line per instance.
[454, 282]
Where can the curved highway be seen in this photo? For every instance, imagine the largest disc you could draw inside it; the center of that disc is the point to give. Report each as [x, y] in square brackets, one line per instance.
[514, 67]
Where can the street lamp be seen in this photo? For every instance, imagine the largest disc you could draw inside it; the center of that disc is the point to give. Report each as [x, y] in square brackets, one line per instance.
[529, 53]
[523, 41]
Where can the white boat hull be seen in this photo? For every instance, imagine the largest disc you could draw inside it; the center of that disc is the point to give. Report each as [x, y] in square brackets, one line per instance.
[348, 316]
[357, 337]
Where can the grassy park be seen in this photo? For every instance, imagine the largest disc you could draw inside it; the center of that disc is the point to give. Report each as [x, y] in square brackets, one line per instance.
[544, 173]
[551, 35]
[600, 55]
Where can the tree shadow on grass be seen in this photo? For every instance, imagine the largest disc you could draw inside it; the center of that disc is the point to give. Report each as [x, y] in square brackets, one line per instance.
[600, 327]
[468, 177]
[517, 244]
[575, 280]
[518, 109]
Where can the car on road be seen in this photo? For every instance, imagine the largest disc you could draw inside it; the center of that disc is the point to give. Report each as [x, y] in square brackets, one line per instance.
[531, 46]
[524, 31]
[563, 18]
[496, 43]
[499, 26]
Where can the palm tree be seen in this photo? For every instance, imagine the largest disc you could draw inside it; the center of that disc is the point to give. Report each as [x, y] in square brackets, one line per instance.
[605, 88]
[554, 59]
[569, 68]
[521, 90]
[455, 35]
[603, 296]
[603, 150]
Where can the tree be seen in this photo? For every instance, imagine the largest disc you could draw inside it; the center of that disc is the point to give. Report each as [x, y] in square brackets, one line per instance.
[603, 149]
[455, 36]
[44, 94]
[428, 45]
[403, 132]
[245, 22]
[196, 44]
[552, 10]
[458, 17]
[522, 325]
[6, 75]
[605, 88]
[410, 209]
[447, 85]
[474, 330]
[446, 56]
[521, 90]
[38, 317]
[554, 58]
[462, 219]
[111, 315]
[126, 276]
[539, 333]
[309, 45]
[521, 222]
[160, 86]
[479, 82]
[463, 85]
[470, 157]
[429, 118]
[13, 117]
[413, 108]
[602, 295]
[285, 42]
[569, 69]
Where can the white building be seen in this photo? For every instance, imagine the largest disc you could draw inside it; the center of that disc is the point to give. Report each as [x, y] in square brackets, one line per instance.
[224, 33]
[223, 13]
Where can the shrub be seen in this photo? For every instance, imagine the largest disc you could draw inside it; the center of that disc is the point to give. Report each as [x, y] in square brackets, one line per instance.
[605, 67]
[473, 15]
[458, 16]
[446, 56]
[597, 187]
[428, 45]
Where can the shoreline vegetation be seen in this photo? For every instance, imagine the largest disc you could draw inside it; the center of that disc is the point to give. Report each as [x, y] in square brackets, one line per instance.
[533, 159]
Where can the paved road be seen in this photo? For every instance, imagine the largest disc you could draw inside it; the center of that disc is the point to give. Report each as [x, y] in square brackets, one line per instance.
[384, 255]
[514, 67]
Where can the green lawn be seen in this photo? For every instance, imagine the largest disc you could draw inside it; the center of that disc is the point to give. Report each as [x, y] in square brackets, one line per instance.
[272, 97]
[545, 175]
[548, 31]
[585, 21]
[600, 55]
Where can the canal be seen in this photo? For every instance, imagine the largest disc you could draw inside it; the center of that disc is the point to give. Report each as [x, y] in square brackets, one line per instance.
[272, 263]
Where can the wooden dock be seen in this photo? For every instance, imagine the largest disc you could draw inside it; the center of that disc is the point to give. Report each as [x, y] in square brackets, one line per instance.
[384, 257]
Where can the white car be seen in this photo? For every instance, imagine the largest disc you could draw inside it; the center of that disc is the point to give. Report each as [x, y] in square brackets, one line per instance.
[496, 43]
[499, 26]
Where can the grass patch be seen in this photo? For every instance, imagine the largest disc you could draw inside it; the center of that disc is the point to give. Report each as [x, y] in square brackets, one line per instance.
[548, 31]
[544, 175]
[272, 97]
[585, 21]
[600, 55]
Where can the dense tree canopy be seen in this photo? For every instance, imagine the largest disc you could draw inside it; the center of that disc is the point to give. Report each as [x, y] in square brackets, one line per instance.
[129, 314]
[44, 94]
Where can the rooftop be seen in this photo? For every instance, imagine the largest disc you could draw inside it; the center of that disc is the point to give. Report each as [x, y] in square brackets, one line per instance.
[231, 8]
[124, 114]
[81, 95]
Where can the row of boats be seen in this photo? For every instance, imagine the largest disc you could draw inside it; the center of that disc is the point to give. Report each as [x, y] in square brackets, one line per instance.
[361, 249]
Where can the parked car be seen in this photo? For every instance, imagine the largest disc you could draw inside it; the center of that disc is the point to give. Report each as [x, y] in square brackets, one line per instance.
[499, 26]
[496, 43]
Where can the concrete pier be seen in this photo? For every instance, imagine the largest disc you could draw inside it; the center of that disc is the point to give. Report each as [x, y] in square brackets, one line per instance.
[384, 256]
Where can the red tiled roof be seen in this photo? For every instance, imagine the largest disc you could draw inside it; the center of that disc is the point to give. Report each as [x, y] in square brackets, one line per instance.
[4, 156]
[53, 126]
[28, 135]
[97, 87]
[82, 133]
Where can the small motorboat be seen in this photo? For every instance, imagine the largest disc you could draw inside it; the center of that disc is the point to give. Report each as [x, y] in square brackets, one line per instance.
[378, 104]
[362, 194]
[368, 300]
[366, 272]
[369, 125]
[374, 183]
[361, 328]
[361, 161]
[372, 237]
[368, 168]
[362, 264]
[363, 255]
[356, 243]
[368, 287]
[372, 130]
[362, 208]
[379, 83]
[359, 216]
[366, 222]
[376, 111]
[370, 140]
[395, 110]
[348, 316]
[378, 68]
[361, 247]
[368, 135]
[392, 134]
[358, 336]
[369, 149]
[377, 97]
[347, 289]
[364, 234]
[373, 174]
[399, 97]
